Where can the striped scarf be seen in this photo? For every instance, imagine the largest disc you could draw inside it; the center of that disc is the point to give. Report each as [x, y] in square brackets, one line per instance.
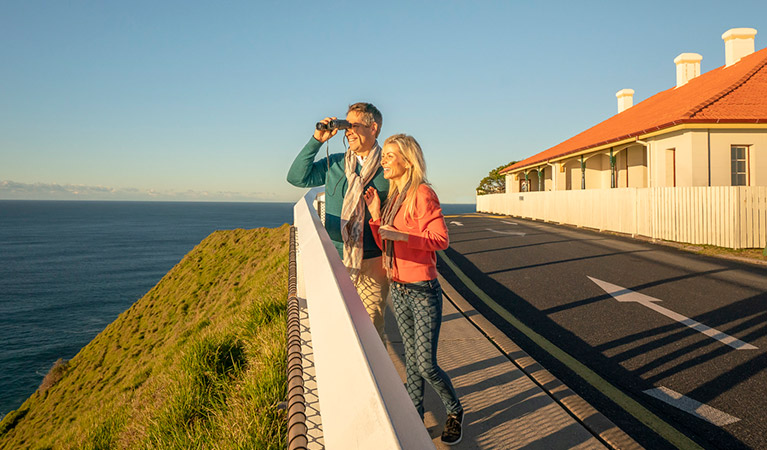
[353, 209]
[387, 218]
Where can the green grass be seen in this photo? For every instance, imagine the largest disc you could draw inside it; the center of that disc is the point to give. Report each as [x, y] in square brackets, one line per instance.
[756, 254]
[198, 362]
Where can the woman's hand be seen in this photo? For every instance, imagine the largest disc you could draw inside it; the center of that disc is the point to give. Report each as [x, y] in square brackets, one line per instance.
[392, 234]
[373, 202]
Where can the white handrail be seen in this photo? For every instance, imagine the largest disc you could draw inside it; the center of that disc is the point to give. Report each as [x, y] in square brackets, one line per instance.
[363, 403]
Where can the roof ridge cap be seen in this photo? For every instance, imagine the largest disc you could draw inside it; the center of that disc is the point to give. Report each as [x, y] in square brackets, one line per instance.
[716, 97]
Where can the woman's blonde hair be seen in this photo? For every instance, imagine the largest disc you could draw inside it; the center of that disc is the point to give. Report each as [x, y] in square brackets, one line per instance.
[416, 173]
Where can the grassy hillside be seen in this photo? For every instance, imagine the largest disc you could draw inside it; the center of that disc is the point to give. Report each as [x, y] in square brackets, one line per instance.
[198, 362]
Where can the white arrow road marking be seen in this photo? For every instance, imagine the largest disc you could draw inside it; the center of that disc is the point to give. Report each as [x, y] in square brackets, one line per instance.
[456, 223]
[694, 407]
[627, 295]
[511, 233]
[509, 223]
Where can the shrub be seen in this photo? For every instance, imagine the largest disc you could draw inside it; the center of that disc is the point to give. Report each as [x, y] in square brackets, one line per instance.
[54, 375]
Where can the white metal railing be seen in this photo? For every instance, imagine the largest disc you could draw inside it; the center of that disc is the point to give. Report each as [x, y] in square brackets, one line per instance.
[725, 216]
[363, 403]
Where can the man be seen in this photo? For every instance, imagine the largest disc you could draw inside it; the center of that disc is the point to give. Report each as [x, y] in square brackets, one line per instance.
[346, 177]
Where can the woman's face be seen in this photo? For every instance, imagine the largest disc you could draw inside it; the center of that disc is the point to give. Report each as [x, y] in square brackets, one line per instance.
[394, 165]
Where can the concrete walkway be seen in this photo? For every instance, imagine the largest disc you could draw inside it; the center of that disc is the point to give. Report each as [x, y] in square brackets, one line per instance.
[501, 390]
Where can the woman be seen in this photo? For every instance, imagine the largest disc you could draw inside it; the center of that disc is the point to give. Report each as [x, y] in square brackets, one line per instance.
[409, 231]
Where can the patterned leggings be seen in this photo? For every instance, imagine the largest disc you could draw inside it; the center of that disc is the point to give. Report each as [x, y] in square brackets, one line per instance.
[418, 310]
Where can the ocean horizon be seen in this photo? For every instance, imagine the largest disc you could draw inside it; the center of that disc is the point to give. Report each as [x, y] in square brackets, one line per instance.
[68, 268]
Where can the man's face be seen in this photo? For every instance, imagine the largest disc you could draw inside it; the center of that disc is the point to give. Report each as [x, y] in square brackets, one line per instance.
[361, 137]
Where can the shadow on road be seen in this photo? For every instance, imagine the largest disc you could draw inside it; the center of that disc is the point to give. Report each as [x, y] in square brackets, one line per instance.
[609, 367]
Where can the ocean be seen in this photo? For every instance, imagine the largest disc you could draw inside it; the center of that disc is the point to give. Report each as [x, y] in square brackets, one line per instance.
[69, 268]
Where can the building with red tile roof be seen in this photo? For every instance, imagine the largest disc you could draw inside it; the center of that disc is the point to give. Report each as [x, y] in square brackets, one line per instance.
[708, 130]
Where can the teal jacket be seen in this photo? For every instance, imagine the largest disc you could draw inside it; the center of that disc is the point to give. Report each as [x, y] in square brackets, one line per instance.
[305, 172]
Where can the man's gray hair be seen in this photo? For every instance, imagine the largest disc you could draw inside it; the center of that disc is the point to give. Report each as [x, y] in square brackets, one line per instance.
[369, 114]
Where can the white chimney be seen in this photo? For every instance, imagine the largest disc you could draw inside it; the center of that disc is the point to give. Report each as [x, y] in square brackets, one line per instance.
[738, 42]
[625, 99]
[687, 67]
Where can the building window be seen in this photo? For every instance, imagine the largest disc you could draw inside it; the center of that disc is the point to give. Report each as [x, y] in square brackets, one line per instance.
[739, 165]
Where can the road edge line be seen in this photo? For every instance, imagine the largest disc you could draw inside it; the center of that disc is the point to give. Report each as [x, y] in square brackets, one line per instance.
[615, 439]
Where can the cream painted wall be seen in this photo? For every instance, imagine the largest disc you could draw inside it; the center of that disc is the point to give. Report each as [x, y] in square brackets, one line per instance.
[571, 177]
[515, 182]
[699, 157]
[758, 155]
[661, 171]
[548, 182]
[631, 167]
[691, 162]
[692, 157]
[722, 140]
[620, 168]
[669, 161]
[511, 183]
[562, 177]
[720, 158]
[684, 161]
[598, 171]
[637, 166]
[565, 177]
[532, 181]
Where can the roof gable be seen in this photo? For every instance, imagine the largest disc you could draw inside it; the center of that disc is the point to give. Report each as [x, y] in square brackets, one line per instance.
[737, 93]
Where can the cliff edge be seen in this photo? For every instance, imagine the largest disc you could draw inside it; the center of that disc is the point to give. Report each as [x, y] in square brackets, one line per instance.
[198, 362]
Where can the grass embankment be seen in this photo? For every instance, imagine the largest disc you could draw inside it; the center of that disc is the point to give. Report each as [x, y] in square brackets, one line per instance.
[198, 362]
[751, 255]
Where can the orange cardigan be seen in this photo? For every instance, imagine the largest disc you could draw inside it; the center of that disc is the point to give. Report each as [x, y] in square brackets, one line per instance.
[415, 259]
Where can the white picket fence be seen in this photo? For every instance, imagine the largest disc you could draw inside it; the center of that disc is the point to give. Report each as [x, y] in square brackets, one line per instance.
[725, 216]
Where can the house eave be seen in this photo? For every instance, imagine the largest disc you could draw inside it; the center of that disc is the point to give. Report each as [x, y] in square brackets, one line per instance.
[671, 127]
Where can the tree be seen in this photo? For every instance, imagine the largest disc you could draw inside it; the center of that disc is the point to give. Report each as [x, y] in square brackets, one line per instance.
[494, 182]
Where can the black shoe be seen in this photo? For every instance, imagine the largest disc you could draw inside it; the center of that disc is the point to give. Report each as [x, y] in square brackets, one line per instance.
[453, 431]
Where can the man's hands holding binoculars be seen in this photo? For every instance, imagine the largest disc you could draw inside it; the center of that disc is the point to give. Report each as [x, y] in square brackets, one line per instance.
[328, 127]
[324, 133]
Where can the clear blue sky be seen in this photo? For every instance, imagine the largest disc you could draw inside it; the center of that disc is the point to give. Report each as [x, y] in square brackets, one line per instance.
[185, 100]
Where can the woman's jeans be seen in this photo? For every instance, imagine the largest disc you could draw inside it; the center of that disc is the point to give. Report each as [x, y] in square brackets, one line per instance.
[418, 310]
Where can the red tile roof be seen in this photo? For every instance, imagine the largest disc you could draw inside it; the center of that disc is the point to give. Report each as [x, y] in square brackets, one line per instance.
[734, 94]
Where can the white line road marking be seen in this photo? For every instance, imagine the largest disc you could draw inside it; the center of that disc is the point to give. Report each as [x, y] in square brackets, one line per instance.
[627, 295]
[511, 233]
[456, 223]
[509, 223]
[694, 407]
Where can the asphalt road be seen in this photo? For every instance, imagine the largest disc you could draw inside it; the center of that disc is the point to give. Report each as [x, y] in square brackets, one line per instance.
[673, 343]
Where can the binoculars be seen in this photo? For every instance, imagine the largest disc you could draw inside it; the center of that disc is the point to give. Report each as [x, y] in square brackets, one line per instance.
[339, 124]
